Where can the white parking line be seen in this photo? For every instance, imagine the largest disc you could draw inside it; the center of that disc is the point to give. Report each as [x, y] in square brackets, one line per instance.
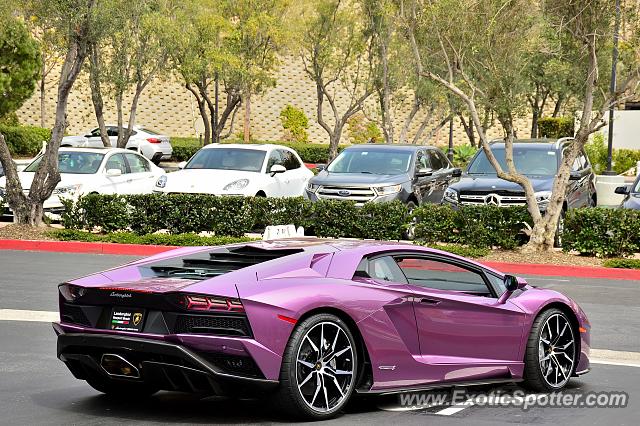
[454, 409]
[31, 316]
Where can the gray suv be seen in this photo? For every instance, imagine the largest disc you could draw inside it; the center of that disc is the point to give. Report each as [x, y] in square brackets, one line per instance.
[413, 174]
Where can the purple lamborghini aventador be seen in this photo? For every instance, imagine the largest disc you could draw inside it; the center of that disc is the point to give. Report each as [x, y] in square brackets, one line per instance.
[311, 321]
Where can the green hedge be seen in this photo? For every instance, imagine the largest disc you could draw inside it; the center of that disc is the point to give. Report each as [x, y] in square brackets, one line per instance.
[602, 232]
[556, 127]
[25, 140]
[622, 263]
[232, 216]
[622, 159]
[475, 226]
[184, 148]
[189, 239]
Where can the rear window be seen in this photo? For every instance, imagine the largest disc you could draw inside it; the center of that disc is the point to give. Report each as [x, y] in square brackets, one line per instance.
[150, 131]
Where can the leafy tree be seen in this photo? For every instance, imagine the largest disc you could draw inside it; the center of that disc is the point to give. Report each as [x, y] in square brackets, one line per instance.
[295, 123]
[336, 51]
[73, 20]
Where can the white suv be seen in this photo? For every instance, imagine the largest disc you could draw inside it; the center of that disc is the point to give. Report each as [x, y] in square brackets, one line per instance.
[239, 169]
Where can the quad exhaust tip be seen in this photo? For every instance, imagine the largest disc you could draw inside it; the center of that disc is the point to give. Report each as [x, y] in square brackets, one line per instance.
[116, 366]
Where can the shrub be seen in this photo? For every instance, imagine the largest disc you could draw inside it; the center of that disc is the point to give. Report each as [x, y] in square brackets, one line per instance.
[295, 124]
[190, 239]
[622, 263]
[462, 154]
[464, 251]
[25, 140]
[556, 127]
[602, 232]
[622, 159]
[362, 130]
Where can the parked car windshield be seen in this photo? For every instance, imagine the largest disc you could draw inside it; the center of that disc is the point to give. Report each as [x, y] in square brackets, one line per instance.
[80, 163]
[637, 186]
[248, 160]
[528, 161]
[378, 162]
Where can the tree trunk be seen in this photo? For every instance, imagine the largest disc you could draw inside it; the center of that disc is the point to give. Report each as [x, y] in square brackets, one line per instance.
[407, 122]
[202, 109]
[387, 116]
[43, 106]
[247, 117]
[96, 93]
[534, 122]
[334, 140]
[468, 129]
[558, 106]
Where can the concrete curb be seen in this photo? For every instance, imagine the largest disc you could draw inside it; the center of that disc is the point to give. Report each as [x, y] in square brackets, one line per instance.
[148, 250]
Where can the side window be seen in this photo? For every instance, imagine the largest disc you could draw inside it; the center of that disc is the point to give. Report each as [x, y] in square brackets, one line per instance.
[95, 133]
[386, 269]
[443, 159]
[117, 161]
[112, 131]
[137, 164]
[422, 161]
[577, 164]
[289, 160]
[274, 158]
[584, 159]
[440, 275]
[436, 164]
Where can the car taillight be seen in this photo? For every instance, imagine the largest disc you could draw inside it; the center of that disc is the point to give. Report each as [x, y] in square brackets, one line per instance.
[195, 302]
[71, 292]
[154, 140]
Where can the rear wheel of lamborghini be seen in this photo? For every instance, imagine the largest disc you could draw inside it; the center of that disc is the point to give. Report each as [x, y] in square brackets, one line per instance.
[319, 368]
[121, 390]
[551, 352]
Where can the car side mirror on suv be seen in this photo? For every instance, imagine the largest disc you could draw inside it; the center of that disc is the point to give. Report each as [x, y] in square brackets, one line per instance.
[423, 172]
[575, 175]
[622, 190]
[457, 172]
[277, 168]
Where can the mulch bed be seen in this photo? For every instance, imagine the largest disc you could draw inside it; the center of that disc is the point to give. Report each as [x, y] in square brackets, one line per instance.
[22, 232]
[556, 257]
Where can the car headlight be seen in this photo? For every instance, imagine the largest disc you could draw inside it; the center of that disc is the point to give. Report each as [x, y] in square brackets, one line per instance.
[67, 190]
[236, 184]
[161, 182]
[451, 195]
[312, 187]
[542, 197]
[387, 190]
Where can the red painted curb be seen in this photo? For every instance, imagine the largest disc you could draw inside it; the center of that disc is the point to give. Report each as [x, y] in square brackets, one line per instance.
[83, 247]
[148, 250]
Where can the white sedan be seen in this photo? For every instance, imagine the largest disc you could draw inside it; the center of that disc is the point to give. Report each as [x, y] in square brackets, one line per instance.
[93, 170]
[239, 169]
[151, 144]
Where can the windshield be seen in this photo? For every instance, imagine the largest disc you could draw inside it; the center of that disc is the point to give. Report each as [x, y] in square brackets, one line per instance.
[378, 162]
[248, 160]
[528, 161]
[637, 186]
[79, 163]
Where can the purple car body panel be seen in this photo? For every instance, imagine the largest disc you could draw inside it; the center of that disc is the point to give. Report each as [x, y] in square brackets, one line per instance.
[457, 337]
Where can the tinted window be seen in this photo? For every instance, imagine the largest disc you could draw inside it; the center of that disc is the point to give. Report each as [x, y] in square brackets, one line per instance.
[422, 161]
[442, 276]
[379, 162]
[289, 160]
[528, 161]
[443, 159]
[112, 131]
[385, 269]
[436, 163]
[248, 160]
[137, 164]
[117, 162]
[82, 163]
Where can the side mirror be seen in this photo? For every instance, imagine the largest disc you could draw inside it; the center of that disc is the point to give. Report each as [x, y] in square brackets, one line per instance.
[114, 172]
[575, 175]
[182, 165]
[277, 168]
[321, 167]
[512, 283]
[457, 172]
[622, 190]
[424, 172]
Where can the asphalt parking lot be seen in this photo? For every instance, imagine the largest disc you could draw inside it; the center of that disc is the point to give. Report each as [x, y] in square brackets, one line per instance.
[36, 388]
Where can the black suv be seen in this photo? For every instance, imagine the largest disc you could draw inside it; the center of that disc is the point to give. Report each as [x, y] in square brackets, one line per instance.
[539, 160]
[413, 174]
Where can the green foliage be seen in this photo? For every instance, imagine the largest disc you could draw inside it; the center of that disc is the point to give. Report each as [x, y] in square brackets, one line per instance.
[19, 64]
[362, 130]
[622, 263]
[184, 148]
[10, 119]
[462, 154]
[555, 127]
[150, 239]
[295, 123]
[475, 226]
[25, 140]
[464, 251]
[602, 232]
[623, 159]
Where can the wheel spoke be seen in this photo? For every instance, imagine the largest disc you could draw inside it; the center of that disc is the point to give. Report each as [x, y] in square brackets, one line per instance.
[566, 346]
[342, 372]
[318, 386]
[322, 347]
[337, 354]
[559, 367]
[306, 364]
[324, 389]
[313, 345]
[307, 379]
[335, 340]
[566, 356]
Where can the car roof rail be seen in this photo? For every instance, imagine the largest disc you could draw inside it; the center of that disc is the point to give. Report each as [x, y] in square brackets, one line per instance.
[561, 141]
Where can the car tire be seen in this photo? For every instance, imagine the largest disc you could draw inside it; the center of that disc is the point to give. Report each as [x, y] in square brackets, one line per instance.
[121, 389]
[546, 370]
[316, 381]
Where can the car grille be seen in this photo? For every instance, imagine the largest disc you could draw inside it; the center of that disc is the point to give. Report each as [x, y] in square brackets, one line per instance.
[210, 324]
[497, 198]
[352, 193]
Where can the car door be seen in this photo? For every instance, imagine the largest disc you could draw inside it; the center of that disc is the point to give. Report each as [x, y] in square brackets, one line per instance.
[93, 139]
[442, 172]
[423, 184]
[274, 183]
[296, 176]
[141, 179]
[115, 184]
[577, 183]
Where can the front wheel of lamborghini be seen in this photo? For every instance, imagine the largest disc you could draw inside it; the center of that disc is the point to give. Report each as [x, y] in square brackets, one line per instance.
[319, 368]
[551, 352]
